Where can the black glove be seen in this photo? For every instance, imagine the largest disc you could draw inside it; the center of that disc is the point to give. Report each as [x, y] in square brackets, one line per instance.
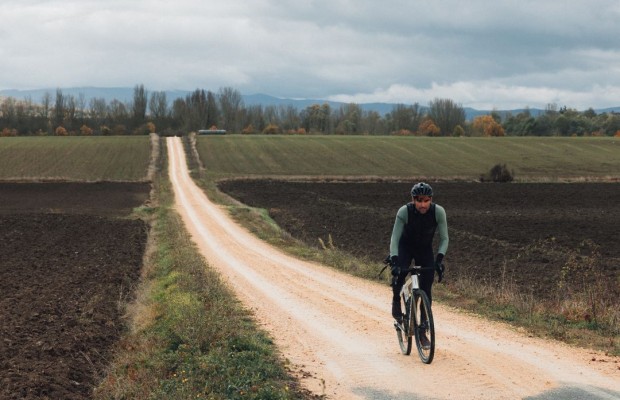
[394, 265]
[440, 269]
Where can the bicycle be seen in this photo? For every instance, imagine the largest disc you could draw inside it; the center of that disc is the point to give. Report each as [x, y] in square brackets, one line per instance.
[417, 320]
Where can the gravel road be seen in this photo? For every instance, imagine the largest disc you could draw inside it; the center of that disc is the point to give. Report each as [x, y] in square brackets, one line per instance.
[337, 332]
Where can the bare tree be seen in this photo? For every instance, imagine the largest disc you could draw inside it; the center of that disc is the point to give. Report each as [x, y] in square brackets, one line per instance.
[138, 108]
[213, 113]
[81, 108]
[98, 111]
[289, 117]
[158, 107]
[46, 101]
[117, 112]
[447, 115]
[70, 113]
[231, 103]
[403, 117]
[59, 109]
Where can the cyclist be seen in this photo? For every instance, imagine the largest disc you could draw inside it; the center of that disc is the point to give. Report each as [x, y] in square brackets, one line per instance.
[412, 240]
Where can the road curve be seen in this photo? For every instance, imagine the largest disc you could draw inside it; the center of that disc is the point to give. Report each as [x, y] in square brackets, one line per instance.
[337, 333]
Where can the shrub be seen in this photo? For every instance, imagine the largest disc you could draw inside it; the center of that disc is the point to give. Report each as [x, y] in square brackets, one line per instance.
[271, 129]
[85, 130]
[248, 130]
[61, 131]
[119, 129]
[402, 132]
[458, 131]
[8, 132]
[499, 173]
[428, 128]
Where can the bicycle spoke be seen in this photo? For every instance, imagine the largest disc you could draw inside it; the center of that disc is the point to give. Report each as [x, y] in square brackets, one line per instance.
[425, 328]
[403, 332]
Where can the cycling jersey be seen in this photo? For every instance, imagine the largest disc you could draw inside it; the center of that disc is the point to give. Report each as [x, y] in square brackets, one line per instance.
[417, 230]
[412, 240]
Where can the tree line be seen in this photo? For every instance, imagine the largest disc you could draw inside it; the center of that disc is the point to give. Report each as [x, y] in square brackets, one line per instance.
[152, 112]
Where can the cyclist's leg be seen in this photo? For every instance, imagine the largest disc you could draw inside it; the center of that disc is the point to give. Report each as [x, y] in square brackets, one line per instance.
[425, 260]
[404, 261]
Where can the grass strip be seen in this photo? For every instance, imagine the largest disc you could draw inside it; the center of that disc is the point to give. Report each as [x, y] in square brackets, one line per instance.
[189, 337]
[502, 302]
[75, 158]
[375, 157]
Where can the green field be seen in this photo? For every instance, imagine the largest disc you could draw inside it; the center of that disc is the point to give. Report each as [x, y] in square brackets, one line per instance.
[387, 156]
[75, 158]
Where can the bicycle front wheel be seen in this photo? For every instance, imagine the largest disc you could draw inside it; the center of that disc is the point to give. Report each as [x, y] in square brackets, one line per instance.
[404, 330]
[424, 328]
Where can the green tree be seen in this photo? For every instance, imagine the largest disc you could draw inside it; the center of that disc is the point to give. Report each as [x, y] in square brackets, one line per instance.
[348, 119]
[316, 118]
[521, 124]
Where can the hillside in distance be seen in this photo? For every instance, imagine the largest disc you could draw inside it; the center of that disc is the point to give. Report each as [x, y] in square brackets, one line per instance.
[125, 95]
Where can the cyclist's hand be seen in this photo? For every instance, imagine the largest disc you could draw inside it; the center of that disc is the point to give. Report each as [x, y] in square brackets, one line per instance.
[440, 270]
[394, 265]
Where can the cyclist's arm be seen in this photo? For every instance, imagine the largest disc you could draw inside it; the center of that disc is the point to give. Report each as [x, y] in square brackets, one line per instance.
[442, 225]
[399, 224]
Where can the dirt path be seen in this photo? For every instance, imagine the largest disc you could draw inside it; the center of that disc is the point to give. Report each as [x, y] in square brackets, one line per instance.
[336, 329]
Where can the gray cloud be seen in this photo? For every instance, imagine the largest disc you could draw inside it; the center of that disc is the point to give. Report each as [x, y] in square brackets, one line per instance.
[504, 54]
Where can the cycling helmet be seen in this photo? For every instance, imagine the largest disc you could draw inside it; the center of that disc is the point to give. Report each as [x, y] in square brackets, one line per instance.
[422, 189]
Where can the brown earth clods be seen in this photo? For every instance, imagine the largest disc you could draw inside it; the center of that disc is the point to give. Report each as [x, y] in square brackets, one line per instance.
[68, 261]
[521, 233]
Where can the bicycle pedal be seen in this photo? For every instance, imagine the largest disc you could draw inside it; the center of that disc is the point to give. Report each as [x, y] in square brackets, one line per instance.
[399, 326]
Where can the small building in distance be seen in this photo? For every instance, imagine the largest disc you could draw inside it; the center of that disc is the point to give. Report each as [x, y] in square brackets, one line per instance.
[212, 132]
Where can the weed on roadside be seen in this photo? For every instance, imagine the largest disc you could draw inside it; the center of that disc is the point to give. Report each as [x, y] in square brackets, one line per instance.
[189, 337]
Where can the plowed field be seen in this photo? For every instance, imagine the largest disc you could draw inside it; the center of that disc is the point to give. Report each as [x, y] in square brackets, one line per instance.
[66, 263]
[521, 233]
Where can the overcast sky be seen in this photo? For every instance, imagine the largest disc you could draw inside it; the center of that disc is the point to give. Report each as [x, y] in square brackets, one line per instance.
[481, 54]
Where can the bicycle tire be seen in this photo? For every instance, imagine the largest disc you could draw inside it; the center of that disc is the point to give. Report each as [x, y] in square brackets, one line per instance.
[403, 332]
[424, 319]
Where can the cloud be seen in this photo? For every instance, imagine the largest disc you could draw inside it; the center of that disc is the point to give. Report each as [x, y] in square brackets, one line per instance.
[476, 52]
[486, 95]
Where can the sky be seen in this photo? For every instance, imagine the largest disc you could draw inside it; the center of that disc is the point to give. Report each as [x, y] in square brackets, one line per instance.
[502, 54]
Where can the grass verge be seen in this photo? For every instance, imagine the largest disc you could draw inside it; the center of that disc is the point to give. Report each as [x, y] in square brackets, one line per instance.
[581, 310]
[188, 336]
[582, 313]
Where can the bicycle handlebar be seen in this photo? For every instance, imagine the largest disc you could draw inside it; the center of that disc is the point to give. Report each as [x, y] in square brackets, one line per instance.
[415, 268]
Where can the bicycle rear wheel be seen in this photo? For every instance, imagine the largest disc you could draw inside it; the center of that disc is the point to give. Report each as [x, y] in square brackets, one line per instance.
[424, 327]
[403, 331]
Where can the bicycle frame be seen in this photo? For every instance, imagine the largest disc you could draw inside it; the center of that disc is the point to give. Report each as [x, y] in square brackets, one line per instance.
[414, 297]
[410, 285]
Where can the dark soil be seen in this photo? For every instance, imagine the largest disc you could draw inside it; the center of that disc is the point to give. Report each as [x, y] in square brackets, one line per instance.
[68, 260]
[499, 232]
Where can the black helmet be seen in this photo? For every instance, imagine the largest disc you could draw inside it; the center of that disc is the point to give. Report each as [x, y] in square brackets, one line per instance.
[422, 189]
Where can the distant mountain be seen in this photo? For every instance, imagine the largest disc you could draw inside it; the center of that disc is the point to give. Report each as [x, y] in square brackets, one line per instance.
[300, 104]
[125, 94]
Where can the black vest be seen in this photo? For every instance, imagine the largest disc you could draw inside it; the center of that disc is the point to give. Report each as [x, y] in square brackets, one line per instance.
[420, 228]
